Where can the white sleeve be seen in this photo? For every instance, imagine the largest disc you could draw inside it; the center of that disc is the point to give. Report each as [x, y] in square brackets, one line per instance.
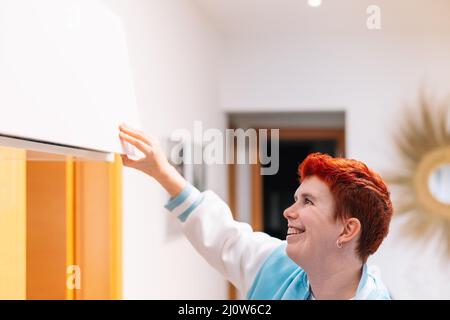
[229, 246]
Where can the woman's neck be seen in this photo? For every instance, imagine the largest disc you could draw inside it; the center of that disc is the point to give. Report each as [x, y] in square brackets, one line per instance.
[338, 280]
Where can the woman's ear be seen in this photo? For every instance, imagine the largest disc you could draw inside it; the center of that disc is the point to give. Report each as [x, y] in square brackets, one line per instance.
[352, 227]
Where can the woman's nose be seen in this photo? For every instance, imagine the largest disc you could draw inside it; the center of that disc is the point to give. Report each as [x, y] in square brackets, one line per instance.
[290, 213]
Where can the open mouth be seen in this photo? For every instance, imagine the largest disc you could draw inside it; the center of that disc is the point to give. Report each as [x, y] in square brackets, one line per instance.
[294, 231]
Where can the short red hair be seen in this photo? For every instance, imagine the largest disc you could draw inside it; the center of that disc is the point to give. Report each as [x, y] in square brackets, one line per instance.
[358, 192]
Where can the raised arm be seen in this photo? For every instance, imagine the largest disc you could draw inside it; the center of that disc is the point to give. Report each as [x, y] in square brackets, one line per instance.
[229, 246]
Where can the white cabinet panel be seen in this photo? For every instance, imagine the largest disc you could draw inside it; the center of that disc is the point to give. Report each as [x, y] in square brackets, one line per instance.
[65, 73]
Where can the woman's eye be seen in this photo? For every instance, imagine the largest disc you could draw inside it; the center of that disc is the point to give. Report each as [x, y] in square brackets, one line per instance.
[308, 201]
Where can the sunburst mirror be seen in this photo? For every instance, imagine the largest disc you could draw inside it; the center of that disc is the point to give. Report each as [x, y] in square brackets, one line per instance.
[423, 183]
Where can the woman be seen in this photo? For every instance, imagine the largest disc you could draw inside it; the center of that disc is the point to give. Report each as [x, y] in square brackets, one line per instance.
[340, 216]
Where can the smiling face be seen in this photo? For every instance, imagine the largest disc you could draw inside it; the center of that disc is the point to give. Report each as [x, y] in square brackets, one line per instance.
[312, 229]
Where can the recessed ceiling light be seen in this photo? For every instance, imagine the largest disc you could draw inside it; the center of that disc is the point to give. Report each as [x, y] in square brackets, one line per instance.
[314, 3]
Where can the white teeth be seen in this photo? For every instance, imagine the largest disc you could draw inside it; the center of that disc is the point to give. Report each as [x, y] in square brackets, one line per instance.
[294, 231]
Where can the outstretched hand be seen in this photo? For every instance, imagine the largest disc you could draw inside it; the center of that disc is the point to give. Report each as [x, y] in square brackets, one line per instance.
[154, 162]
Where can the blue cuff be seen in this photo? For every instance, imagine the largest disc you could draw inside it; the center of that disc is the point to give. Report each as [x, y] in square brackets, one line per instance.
[174, 202]
[191, 208]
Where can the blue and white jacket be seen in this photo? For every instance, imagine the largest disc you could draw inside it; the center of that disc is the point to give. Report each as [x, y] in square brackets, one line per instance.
[256, 263]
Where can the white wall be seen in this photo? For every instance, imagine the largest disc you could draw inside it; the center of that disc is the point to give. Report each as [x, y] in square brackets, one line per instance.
[174, 54]
[369, 74]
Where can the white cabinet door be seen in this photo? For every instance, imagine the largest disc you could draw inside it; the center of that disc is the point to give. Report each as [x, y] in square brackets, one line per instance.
[65, 73]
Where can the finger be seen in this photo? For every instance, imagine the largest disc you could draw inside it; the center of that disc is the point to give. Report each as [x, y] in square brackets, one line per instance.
[135, 142]
[127, 161]
[134, 133]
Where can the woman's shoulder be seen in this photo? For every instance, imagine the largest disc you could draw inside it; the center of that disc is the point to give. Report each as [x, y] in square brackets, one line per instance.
[371, 286]
[277, 276]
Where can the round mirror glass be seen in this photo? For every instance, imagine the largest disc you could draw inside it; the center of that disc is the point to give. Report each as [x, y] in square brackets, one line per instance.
[439, 183]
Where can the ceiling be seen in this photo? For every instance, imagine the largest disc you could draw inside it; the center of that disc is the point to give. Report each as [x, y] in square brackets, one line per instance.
[275, 17]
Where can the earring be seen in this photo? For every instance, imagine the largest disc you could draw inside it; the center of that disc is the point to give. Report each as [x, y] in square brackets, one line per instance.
[338, 244]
